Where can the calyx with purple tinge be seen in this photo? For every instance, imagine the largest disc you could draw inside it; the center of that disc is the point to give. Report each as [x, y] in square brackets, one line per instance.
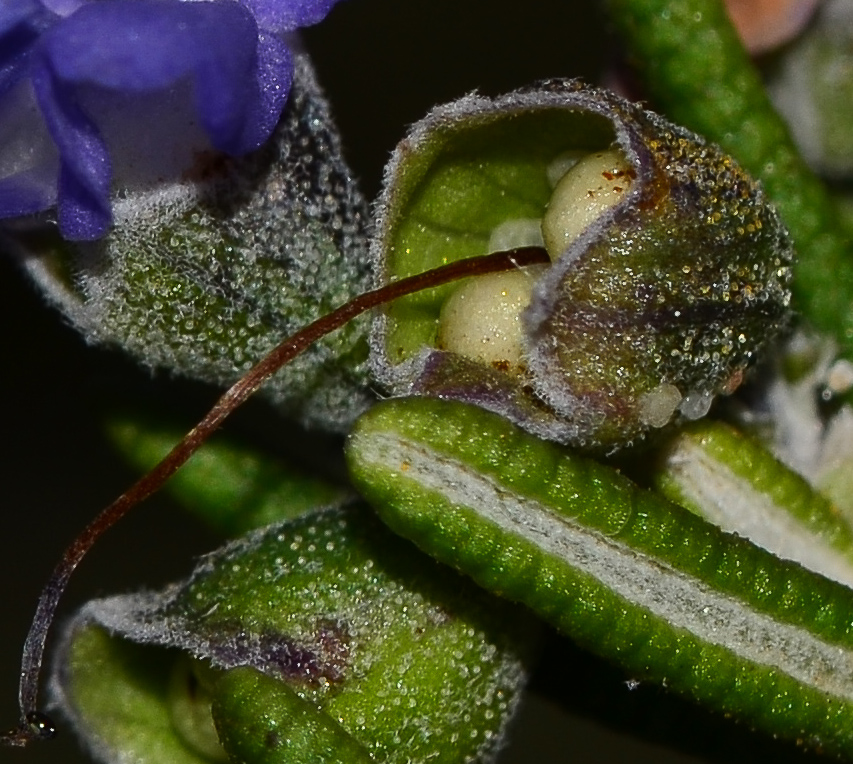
[657, 305]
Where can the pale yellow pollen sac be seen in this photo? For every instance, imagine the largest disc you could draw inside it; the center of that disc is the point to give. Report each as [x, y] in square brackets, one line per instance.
[657, 406]
[481, 319]
[591, 186]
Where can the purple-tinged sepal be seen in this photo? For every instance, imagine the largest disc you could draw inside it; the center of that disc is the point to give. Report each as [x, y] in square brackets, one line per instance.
[204, 274]
[669, 272]
[323, 639]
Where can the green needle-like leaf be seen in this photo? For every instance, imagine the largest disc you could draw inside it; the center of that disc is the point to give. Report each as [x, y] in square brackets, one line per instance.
[232, 487]
[696, 71]
[665, 594]
[735, 483]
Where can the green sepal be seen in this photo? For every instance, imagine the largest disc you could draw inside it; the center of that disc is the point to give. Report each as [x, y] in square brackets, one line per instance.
[121, 697]
[261, 720]
[233, 487]
[205, 274]
[684, 280]
[410, 660]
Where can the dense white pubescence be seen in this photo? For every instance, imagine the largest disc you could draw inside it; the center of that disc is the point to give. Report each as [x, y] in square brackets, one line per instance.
[205, 273]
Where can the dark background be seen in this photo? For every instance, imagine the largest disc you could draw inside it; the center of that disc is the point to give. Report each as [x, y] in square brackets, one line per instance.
[384, 64]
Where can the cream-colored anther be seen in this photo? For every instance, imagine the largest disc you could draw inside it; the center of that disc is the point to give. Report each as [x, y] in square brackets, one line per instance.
[482, 318]
[593, 185]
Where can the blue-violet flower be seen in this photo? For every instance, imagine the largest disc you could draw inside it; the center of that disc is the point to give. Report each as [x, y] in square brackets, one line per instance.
[99, 97]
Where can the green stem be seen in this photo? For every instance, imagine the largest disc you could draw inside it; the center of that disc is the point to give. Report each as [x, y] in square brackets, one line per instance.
[695, 69]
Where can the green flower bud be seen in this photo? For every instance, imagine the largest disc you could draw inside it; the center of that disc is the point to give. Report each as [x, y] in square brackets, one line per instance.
[670, 268]
[204, 276]
[325, 637]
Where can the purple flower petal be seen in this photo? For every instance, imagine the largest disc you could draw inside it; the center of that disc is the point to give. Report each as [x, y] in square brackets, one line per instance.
[109, 44]
[273, 81]
[21, 23]
[85, 171]
[86, 58]
[287, 15]
[144, 45]
[63, 7]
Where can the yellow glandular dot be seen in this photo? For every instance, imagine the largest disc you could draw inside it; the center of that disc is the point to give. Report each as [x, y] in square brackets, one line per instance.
[481, 319]
[593, 185]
